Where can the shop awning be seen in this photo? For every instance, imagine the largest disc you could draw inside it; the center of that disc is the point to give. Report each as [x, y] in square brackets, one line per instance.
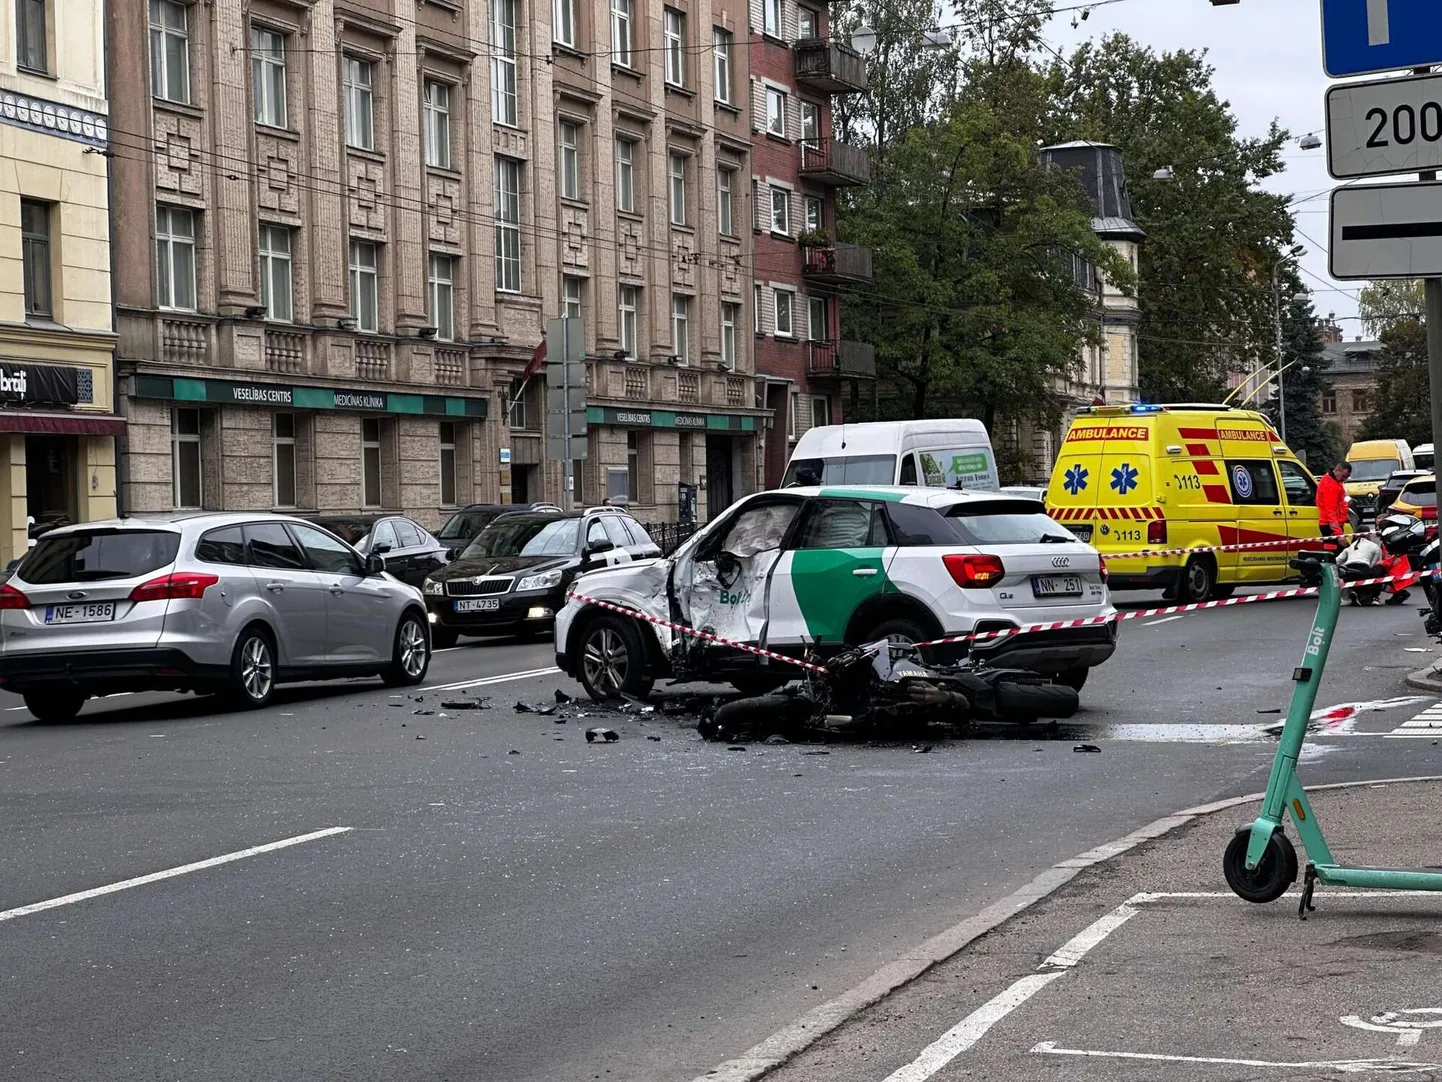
[68, 424]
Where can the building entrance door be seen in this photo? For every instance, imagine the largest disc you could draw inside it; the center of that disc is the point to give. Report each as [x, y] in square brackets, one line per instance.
[718, 475]
[50, 479]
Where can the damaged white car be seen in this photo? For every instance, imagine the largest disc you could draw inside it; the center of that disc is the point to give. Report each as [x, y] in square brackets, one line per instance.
[807, 572]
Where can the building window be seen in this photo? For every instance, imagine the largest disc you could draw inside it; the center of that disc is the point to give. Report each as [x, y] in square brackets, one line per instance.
[267, 74]
[776, 111]
[360, 128]
[725, 209]
[621, 32]
[783, 299]
[814, 214]
[570, 160]
[284, 443]
[810, 122]
[185, 458]
[820, 412]
[676, 170]
[793, 408]
[438, 125]
[629, 303]
[35, 252]
[364, 286]
[175, 257]
[816, 322]
[508, 225]
[808, 24]
[563, 21]
[516, 411]
[772, 19]
[1329, 402]
[674, 29]
[370, 462]
[781, 211]
[32, 35]
[448, 464]
[504, 105]
[625, 175]
[633, 466]
[1361, 401]
[681, 328]
[275, 290]
[730, 314]
[570, 297]
[756, 308]
[721, 49]
[169, 51]
[443, 296]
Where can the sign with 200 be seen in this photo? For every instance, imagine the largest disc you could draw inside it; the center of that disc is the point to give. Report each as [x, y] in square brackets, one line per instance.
[1383, 127]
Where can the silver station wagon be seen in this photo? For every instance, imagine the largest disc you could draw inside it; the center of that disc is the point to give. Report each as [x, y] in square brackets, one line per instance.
[211, 602]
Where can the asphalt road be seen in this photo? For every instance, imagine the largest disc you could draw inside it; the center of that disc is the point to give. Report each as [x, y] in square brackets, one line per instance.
[510, 902]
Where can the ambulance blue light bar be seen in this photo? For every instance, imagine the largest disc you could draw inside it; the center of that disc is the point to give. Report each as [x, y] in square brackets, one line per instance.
[1146, 409]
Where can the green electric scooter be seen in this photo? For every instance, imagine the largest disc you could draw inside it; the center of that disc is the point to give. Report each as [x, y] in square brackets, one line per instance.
[1260, 863]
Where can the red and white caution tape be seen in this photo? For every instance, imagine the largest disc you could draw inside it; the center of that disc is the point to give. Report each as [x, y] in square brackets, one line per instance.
[1290, 542]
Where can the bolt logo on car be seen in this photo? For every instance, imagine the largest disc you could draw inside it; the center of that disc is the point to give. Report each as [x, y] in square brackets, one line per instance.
[1076, 479]
[1124, 478]
[741, 597]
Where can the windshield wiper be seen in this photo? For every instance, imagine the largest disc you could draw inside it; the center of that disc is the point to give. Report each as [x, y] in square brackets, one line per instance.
[1054, 539]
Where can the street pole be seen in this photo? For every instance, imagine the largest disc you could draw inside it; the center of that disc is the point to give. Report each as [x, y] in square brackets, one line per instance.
[569, 475]
[1277, 311]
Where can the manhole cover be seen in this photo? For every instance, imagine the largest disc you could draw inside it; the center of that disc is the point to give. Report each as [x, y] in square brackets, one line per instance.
[1413, 942]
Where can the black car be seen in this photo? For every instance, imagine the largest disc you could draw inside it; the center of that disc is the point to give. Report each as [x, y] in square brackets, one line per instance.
[513, 577]
[463, 527]
[409, 550]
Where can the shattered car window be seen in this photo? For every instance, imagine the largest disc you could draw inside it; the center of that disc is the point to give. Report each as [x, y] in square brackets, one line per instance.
[760, 529]
[843, 524]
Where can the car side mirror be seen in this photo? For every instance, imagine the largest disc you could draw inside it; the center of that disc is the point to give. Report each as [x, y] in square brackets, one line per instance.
[453, 553]
[375, 564]
[597, 548]
[381, 549]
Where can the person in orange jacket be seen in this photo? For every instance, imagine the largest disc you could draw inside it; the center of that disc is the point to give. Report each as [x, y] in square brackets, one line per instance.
[1332, 500]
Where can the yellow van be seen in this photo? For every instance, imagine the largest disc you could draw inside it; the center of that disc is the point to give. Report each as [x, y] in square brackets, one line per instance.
[1372, 462]
[1130, 479]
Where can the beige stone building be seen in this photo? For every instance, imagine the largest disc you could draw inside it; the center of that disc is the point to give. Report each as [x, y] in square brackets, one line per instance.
[342, 227]
[57, 419]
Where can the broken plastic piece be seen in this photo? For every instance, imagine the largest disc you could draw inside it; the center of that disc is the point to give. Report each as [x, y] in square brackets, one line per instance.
[562, 697]
[610, 736]
[1086, 747]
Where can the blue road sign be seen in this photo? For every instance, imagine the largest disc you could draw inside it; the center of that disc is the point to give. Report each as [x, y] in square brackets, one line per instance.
[1364, 36]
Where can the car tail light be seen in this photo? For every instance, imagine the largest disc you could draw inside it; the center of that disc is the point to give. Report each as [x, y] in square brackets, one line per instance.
[11, 598]
[1102, 567]
[971, 572]
[177, 586]
[1157, 532]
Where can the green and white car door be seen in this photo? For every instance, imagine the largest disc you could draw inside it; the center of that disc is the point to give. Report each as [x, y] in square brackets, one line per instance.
[839, 559]
[723, 582]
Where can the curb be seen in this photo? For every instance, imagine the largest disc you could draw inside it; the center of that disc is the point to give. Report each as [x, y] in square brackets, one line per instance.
[1425, 680]
[816, 1023]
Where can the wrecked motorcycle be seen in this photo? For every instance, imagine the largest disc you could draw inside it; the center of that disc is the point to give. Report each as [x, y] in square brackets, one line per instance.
[885, 689]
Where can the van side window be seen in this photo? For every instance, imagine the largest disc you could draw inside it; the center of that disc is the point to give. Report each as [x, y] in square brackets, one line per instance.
[908, 470]
[1301, 490]
[1253, 482]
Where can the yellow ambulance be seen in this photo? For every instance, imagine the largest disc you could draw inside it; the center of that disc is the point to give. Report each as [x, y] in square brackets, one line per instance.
[1142, 478]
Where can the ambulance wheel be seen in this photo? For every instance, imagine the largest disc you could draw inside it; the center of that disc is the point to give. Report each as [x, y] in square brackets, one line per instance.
[1270, 879]
[1223, 590]
[1199, 579]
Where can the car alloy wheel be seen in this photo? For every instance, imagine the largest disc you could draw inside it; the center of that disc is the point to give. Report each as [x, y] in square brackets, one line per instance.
[413, 649]
[257, 672]
[606, 660]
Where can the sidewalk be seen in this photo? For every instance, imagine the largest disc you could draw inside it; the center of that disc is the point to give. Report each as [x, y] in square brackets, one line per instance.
[1186, 981]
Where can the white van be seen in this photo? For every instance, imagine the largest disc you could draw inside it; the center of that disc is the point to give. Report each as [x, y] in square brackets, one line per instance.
[934, 454]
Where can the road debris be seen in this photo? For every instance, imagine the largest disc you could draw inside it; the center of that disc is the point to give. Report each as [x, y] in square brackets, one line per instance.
[610, 736]
[655, 738]
[465, 704]
[1086, 748]
[562, 697]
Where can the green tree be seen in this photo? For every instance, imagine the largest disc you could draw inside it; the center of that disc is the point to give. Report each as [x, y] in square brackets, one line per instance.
[1213, 234]
[1402, 408]
[1382, 304]
[1303, 382]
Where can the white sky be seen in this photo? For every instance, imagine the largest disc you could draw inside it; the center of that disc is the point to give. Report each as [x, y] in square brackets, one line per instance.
[1268, 60]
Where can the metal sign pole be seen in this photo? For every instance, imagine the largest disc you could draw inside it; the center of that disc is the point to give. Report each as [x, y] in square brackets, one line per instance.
[1432, 312]
[569, 470]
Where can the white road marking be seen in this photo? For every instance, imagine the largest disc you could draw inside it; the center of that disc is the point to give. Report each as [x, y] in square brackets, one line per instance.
[974, 1026]
[485, 681]
[1423, 726]
[1165, 620]
[1344, 1066]
[169, 873]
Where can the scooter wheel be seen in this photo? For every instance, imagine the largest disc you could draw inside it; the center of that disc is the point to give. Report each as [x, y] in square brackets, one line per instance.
[1270, 879]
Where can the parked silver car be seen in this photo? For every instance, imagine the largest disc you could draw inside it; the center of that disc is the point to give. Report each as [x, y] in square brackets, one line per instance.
[206, 601]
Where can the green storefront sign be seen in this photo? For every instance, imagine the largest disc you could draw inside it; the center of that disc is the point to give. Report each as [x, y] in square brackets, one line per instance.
[225, 393]
[703, 422]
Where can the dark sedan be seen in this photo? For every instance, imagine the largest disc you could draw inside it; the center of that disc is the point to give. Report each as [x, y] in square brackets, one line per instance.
[409, 550]
[514, 576]
[463, 527]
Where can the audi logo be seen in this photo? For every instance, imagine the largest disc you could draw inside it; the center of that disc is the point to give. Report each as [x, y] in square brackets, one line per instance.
[1061, 561]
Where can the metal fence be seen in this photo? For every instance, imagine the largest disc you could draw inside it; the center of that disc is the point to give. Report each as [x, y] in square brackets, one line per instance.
[671, 535]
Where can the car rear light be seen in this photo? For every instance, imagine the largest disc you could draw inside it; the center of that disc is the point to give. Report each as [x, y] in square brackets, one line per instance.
[177, 586]
[11, 598]
[1102, 567]
[971, 572]
[1157, 532]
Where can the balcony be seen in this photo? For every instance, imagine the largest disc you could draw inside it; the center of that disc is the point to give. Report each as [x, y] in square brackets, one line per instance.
[372, 359]
[836, 264]
[841, 360]
[184, 341]
[828, 162]
[830, 68]
[451, 367]
[284, 351]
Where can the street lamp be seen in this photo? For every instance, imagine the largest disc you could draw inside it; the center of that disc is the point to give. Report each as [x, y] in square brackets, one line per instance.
[1295, 253]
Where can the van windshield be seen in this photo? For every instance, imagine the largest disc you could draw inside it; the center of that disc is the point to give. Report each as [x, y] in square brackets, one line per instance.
[965, 467]
[1374, 469]
[850, 470]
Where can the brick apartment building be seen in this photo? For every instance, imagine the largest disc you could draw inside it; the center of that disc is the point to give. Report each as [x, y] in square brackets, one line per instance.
[1352, 383]
[342, 226]
[800, 270]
